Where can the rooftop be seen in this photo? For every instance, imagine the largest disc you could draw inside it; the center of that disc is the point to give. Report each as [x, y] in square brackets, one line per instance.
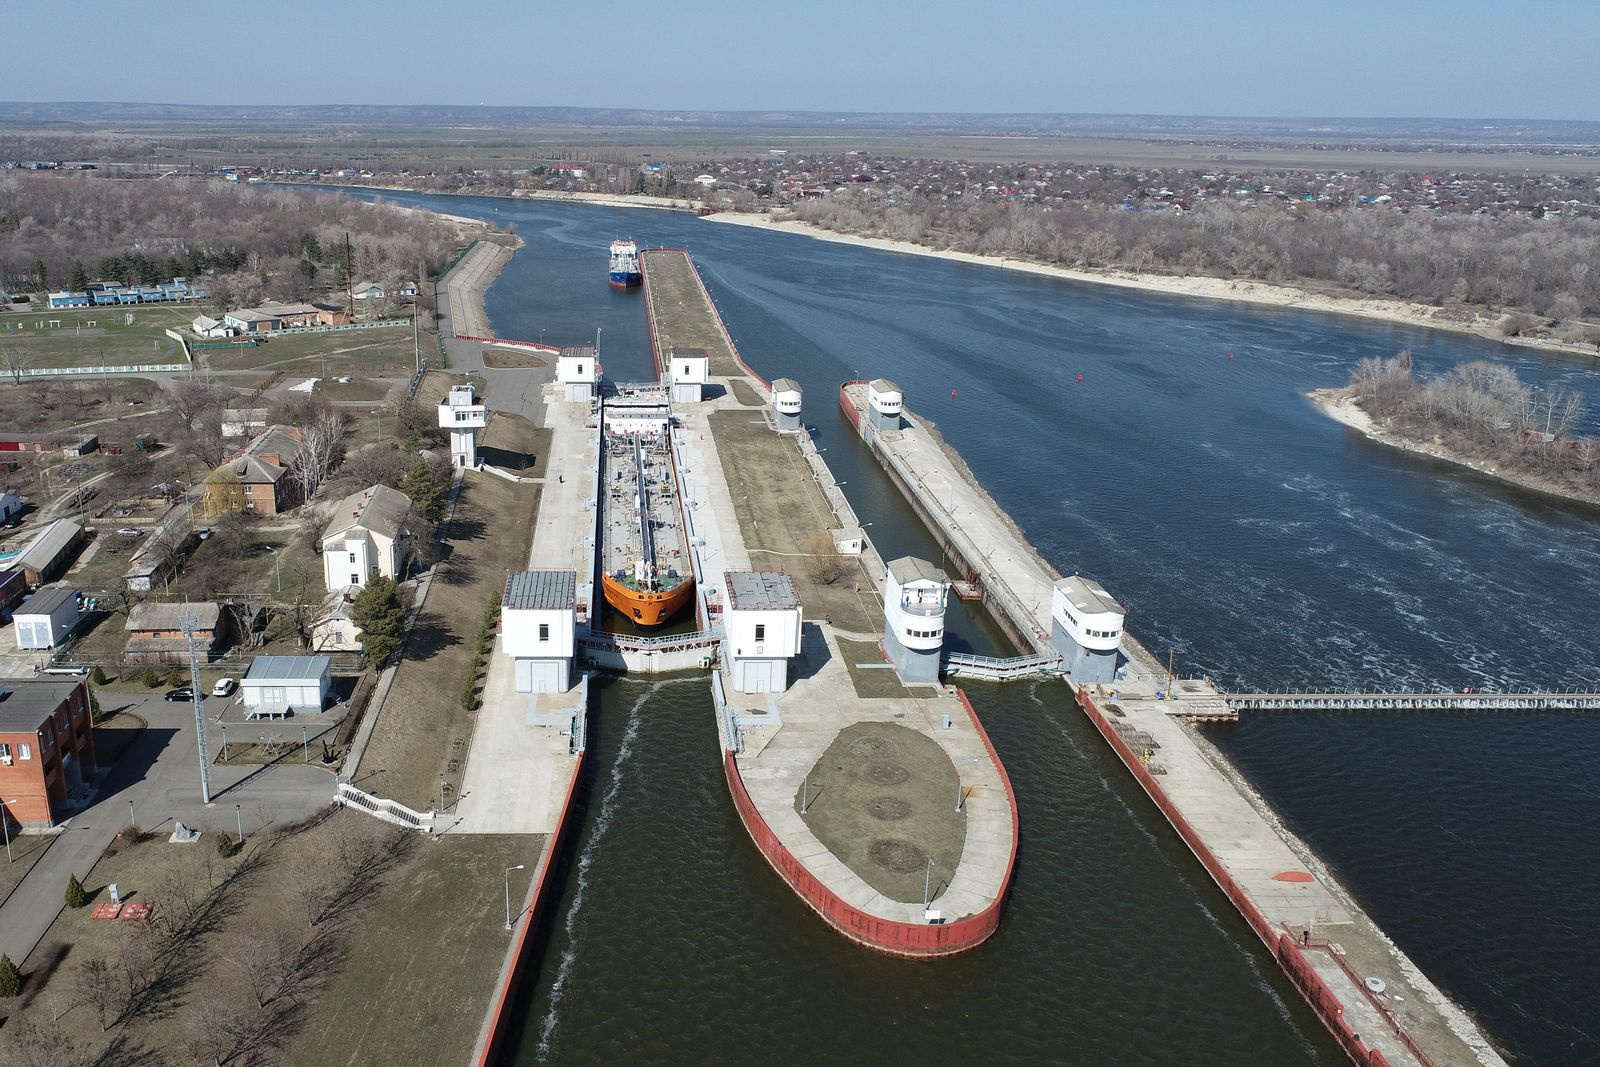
[760, 591]
[785, 385]
[26, 704]
[155, 616]
[685, 352]
[377, 508]
[911, 569]
[540, 590]
[283, 668]
[48, 600]
[50, 543]
[883, 385]
[576, 352]
[1089, 595]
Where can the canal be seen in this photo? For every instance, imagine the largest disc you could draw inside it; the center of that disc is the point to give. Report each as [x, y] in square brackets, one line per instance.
[1258, 541]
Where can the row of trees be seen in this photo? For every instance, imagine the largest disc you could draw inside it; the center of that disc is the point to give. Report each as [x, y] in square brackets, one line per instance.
[1483, 410]
[1497, 263]
[250, 243]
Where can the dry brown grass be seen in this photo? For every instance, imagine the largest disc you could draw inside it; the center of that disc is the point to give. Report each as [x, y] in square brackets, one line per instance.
[683, 317]
[423, 731]
[783, 516]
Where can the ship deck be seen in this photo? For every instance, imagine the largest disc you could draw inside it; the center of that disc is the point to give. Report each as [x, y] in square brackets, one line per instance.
[623, 540]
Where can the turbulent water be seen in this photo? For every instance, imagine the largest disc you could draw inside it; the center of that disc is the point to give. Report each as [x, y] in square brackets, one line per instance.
[1262, 543]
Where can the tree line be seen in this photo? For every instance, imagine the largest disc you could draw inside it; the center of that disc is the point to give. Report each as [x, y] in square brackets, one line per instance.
[250, 243]
[1511, 264]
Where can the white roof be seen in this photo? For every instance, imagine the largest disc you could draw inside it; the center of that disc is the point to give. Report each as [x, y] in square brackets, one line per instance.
[1088, 595]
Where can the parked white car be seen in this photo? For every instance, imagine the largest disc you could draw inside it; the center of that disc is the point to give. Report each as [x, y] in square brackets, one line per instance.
[224, 687]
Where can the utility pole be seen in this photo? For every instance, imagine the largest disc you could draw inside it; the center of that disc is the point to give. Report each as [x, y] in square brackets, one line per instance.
[189, 624]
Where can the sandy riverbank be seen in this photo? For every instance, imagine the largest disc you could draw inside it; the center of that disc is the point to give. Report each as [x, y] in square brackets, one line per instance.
[654, 203]
[1409, 314]
[1340, 405]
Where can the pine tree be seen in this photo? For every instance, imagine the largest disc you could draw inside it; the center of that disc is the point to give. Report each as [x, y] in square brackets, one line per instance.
[10, 977]
[377, 611]
[426, 493]
[78, 281]
[76, 897]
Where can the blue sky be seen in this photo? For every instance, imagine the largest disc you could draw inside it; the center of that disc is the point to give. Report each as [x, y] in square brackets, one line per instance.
[1464, 59]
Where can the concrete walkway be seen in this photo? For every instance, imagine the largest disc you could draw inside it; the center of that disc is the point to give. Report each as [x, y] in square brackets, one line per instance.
[779, 754]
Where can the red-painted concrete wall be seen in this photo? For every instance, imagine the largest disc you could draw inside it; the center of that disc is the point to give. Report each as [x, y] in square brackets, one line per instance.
[505, 996]
[884, 935]
[1322, 1000]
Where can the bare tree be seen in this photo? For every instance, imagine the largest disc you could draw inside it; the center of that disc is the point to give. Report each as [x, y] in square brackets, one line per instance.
[95, 989]
[16, 361]
[322, 440]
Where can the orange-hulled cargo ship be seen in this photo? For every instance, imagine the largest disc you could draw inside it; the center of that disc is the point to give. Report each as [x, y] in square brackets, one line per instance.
[645, 560]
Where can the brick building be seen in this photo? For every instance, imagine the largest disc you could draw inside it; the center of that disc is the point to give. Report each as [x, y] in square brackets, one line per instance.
[46, 749]
[254, 481]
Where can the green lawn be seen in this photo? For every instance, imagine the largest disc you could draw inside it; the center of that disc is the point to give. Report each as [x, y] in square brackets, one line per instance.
[92, 337]
[386, 350]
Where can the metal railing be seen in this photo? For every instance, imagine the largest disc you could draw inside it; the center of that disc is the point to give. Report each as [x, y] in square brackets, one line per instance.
[962, 664]
[630, 643]
[390, 811]
[1532, 700]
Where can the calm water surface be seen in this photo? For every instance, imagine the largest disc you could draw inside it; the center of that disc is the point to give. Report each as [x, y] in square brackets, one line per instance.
[1262, 543]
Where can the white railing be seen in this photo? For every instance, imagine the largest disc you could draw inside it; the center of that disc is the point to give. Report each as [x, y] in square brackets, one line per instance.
[390, 811]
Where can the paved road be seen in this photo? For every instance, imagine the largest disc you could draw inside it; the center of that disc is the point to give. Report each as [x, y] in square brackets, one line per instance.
[160, 775]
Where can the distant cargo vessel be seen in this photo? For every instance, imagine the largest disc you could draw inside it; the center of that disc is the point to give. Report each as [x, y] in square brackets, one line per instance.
[625, 272]
[646, 573]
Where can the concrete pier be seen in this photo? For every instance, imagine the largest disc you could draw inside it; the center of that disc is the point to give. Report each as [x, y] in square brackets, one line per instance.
[1323, 941]
[755, 500]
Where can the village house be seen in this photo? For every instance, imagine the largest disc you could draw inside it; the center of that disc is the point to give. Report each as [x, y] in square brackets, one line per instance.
[365, 538]
[10, 508]
[333, 630]
[46, 750]
[156, 635]
[210, 328]
[243, 422]
[254, 481]
[49, 553]
[249, 320]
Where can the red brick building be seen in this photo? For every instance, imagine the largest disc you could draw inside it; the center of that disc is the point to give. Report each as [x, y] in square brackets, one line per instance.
[46, 749]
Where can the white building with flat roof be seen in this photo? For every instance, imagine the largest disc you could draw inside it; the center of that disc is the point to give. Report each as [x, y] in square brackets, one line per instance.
[914, 597]
[688, 371]
[761, 621]
[578, 372]
[1086, 629]
[538, 628]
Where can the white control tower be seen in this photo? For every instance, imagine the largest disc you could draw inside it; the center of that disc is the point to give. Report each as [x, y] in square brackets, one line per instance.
[914, 595]
[463, 414]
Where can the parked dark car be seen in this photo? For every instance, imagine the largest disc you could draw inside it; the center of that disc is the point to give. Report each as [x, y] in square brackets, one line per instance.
[185, 693]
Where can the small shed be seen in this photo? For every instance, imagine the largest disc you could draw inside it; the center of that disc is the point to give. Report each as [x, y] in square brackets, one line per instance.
[46, 617]
[280, 685]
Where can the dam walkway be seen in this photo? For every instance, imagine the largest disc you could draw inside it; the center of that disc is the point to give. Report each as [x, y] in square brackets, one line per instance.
[1473, 701]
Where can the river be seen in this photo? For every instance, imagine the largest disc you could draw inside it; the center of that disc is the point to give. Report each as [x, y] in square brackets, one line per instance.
[1260, 542]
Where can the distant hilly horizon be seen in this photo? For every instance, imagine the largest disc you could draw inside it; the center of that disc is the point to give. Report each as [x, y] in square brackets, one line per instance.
[91, 114]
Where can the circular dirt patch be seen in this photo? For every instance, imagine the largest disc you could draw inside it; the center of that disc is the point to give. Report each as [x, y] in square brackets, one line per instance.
[901, 857]
[889, 809]
[883, 772]
[874, 747]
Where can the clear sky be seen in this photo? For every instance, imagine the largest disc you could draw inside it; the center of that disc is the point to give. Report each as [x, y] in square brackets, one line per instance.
[1459, 59]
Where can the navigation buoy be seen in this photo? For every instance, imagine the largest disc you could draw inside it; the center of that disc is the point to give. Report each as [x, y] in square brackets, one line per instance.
[1080, 377]
[952, 392]
[1230, 357]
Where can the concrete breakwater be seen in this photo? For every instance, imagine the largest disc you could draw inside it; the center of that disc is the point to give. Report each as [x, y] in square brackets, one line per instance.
[1379, 1006]
[882, 805]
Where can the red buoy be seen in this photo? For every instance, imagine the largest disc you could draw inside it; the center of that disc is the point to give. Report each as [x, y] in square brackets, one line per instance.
[1080, 377]
[1230, 357]
[952, 392]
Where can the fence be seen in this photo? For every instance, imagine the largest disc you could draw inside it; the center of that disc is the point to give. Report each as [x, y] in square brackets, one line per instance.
[390, 811]
[964, 665]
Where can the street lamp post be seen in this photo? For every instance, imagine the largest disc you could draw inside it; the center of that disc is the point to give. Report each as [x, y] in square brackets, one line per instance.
[238, 816]
[5, 825]
[277, 577]
[518, 867]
